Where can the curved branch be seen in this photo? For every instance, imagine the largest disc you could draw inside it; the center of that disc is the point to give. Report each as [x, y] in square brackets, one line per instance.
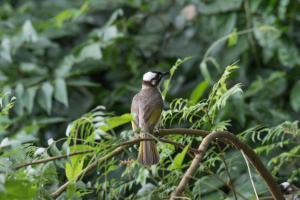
[256, 162]
[226, 137]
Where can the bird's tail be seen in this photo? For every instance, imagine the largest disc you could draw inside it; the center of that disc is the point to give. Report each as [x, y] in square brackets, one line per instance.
[148, 154]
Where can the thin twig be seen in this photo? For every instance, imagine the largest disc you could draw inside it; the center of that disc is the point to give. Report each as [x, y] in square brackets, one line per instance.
[52, 158]
[227, 171]
[92, 166]
[250, 175]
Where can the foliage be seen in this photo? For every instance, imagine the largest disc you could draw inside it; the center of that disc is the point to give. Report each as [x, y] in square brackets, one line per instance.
[60, 59]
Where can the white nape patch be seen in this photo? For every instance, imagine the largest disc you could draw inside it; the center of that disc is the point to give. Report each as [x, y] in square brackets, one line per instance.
[149, 76]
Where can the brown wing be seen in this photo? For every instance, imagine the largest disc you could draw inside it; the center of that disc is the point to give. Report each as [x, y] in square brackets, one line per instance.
[150, 108]
[135, 111]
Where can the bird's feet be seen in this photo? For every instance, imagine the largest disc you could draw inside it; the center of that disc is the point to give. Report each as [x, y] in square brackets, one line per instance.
[127, 162]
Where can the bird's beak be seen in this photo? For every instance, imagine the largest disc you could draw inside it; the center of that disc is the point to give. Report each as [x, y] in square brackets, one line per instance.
[166, 74]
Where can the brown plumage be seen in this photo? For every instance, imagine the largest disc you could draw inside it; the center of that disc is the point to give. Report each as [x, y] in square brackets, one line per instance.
[147, 106]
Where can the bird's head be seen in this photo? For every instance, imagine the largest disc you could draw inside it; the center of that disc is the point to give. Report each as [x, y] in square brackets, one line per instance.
[154, 78]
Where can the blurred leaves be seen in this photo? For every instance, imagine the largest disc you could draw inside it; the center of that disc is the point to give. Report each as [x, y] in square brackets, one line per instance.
[45, 96]
[61, 91]
[295, 97]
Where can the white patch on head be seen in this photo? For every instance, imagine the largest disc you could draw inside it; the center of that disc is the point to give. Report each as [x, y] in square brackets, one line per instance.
[285, 185]
[149, 76]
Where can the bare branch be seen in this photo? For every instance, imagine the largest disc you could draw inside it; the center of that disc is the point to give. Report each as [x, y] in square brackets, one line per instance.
[52, 158]
[256, 162]
[183, 131]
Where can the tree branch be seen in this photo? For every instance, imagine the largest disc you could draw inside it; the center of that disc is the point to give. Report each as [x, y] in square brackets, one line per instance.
[45, 160]
[51, 159]
[256, 162]
[182, 131]
[91, 167]
[226, 137]
[115, 152]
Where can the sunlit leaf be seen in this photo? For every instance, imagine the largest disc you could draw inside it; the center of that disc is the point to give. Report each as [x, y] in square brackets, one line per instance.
[5, 49]
[29, 33]
[19, 106]
[198, 91]
[204, 71]
[29, 98]
[116, 121]
[14, 189]
[60, 93]
[232, 40]
[178, 160]
[91, 51]
[45, 96]
[74, 167]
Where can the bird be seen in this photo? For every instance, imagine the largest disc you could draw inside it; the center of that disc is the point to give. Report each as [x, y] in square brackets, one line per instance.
[147, 106]
[290, 191]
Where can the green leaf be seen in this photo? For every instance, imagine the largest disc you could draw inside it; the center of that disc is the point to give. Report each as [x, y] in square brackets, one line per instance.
[65, 67]
[204, 71]
[28, 32]
[214, 7]
[45, 97]
[29, 98]
[5, 49]
[91, 51]
[178, 160]
[116, 121]
[110, 33]
[61, 91]
[19, 189]
[19, 105]
[74, 167]
[232, 40]
[288, 54]
[198, 92]
[295, 97]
